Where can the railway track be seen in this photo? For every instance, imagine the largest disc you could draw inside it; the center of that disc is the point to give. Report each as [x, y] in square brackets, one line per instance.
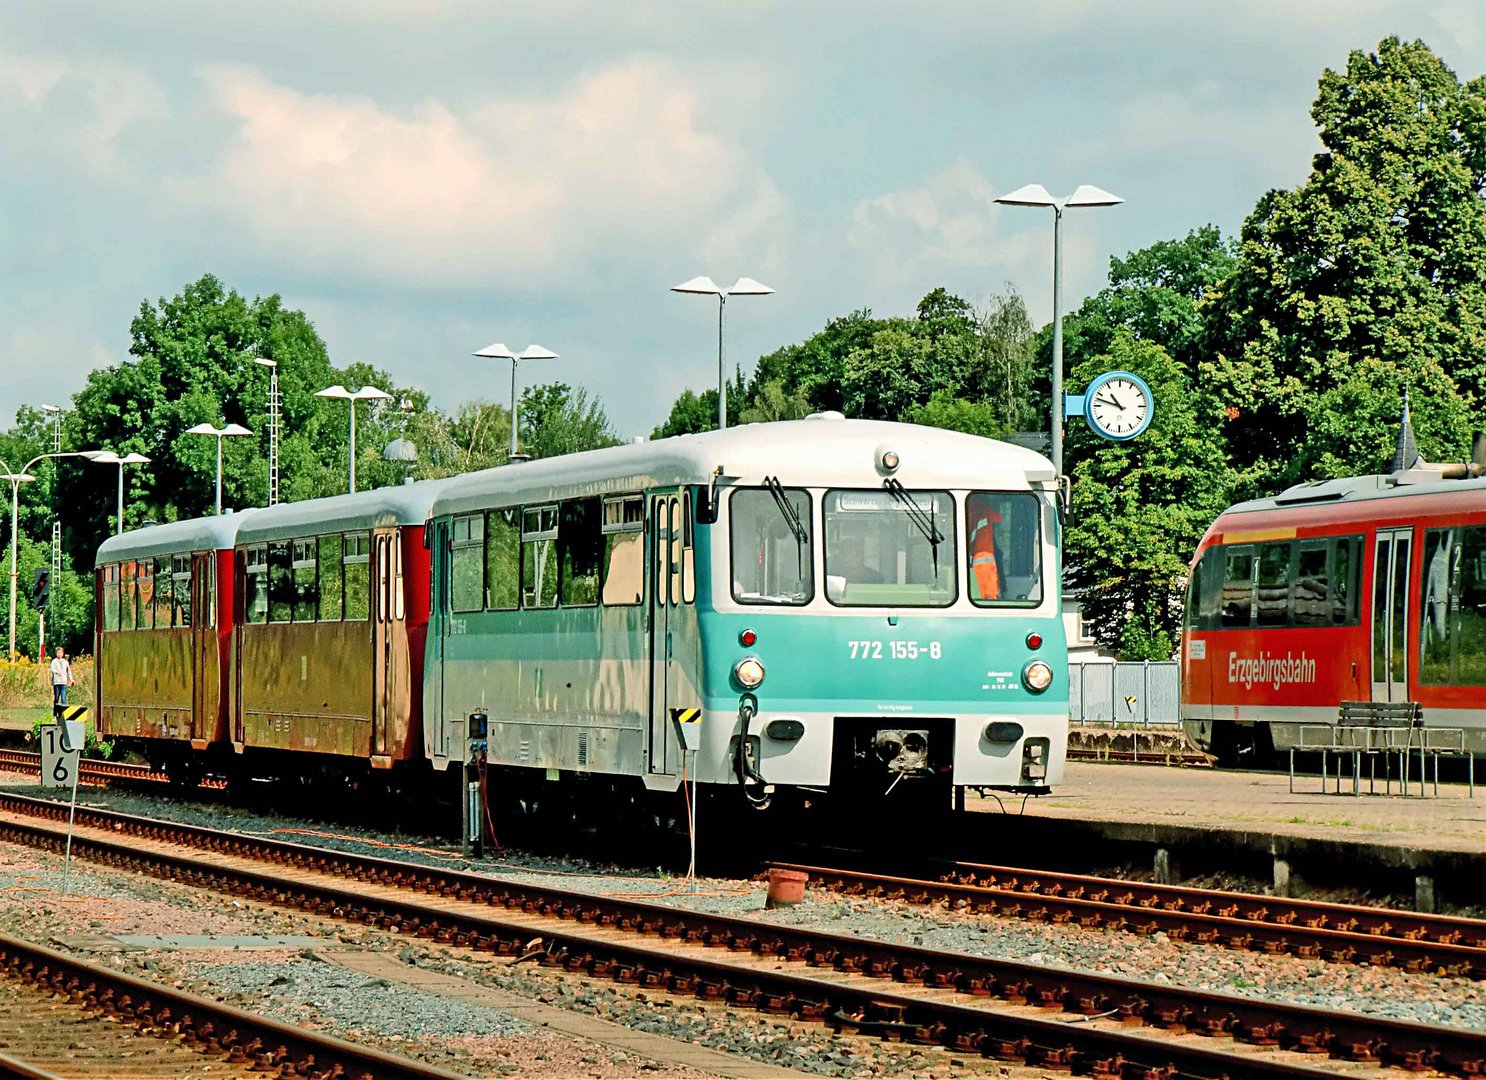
[1342, 933]
[1105, 1026]
[93, 770]
[61, 1016]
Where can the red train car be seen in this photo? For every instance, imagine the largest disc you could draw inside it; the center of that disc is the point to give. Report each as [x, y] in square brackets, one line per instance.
[1368, 588]
[164, 640]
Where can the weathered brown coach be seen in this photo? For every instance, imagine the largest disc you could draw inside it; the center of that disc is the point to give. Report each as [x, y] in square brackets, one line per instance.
[164, 639]
[331, 623]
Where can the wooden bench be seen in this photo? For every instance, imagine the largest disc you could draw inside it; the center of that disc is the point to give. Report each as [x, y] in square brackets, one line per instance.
[1381, 729]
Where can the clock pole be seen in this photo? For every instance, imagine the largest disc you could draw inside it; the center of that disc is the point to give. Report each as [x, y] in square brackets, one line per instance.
[1057, 440]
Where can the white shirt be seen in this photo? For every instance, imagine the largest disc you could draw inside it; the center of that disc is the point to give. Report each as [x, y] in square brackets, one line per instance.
[61, 672]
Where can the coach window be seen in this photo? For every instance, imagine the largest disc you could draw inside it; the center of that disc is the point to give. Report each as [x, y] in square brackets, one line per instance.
[306, 582]
[356, 561]
[890, 548]
[1345, 607]
[1310, 604]
[579, 545]
[1272, 599]
[145, 585]
[329, 605]
[1003, 548]
[624, 550]
[502, 559]
[1238, 586]
[539, 557]
[280, 582]
[688, 551]
[1452, 617]
[466, 563]
[180, 590]
[111, 596]
[161, 604]
[771, 546]
[398, 604]
[255, 595]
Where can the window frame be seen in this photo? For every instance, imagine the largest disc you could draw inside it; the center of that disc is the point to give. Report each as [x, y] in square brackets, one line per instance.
[808, 519]
[1041, 562]
[951, 536]
[623, 526]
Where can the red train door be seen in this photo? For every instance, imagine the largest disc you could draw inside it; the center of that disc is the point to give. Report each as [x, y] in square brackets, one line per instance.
[1391, 613]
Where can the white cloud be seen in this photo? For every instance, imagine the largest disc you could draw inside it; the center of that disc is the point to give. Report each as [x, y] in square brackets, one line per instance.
[514, 192]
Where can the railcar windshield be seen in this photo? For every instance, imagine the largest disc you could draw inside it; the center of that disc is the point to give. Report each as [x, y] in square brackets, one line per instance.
[1003, 548]
[773, 552]
[890, 548]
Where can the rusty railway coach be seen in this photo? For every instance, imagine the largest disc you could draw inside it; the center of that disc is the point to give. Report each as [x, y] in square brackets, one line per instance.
[164, 639]
[329, 635]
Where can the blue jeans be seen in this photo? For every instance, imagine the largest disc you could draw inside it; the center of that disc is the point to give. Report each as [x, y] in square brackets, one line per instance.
[59, 694]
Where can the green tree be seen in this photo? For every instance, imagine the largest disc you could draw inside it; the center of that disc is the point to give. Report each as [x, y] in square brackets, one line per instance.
[557, 419]
[1007, 378]
[944, 410]
[1138, 508]
[693, 412]
[772, 402]
[1379, 256]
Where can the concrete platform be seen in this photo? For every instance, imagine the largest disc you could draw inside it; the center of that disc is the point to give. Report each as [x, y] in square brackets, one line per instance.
[1182, 822]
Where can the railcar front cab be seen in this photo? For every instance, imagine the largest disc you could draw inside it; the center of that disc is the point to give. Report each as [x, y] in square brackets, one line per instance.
[877, 637]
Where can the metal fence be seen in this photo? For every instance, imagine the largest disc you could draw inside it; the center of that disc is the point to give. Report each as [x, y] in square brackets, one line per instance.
[1130, 694]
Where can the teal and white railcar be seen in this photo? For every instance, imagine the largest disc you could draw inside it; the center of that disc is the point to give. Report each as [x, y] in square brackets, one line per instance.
[816, 605]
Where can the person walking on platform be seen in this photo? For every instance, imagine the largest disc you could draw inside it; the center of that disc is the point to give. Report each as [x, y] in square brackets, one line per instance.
[61, 680]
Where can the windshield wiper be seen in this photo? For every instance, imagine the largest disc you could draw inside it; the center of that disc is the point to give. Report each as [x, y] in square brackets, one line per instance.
[917, 515]
[791, 518]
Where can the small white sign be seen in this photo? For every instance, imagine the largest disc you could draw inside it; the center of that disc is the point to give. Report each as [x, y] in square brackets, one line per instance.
[1197, 649]
[59, 767]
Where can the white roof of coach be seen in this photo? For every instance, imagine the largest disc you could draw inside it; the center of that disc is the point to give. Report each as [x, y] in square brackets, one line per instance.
[173, 538]
[405, 504]
[823, 450]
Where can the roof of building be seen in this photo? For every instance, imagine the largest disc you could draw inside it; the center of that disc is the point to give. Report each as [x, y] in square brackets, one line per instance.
[176, 537]
[820, 451]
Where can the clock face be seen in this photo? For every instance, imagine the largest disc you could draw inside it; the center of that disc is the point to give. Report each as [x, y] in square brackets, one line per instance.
[1119, 407]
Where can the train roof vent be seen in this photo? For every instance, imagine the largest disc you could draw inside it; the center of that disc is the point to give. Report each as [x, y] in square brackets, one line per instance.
[828, 414]
[1331, 490]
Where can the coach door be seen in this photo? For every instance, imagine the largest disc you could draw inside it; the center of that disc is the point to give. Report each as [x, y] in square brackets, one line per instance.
[1391, 614]
[205, 666]
[383, 666]
[664, 510]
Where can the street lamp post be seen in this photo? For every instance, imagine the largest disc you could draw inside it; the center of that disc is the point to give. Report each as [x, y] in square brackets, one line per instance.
[108, 457]
[497, 351]
[56, 413]
[273, 426]
[351, 397]
[707, 287]
[219, 433]
[16, 479]
[1037, 195]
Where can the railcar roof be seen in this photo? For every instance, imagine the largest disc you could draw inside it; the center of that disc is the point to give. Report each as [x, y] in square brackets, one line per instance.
[404, 504]
[173, 538]
[822, 450]
[1350, 489]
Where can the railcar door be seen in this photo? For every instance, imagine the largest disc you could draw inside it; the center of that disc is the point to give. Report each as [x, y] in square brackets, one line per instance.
[205, 663]
[1390, 614]
[662, 514]
[434, 717]
[382, 673]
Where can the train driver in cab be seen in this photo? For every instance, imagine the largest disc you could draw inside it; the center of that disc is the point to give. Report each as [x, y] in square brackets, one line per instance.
[985, 569]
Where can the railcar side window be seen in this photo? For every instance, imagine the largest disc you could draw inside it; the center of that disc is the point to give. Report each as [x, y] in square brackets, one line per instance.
[688, 552]
[624, 550]
[1003, 548]
[145, 585]
[1345, 608]
[332, 578]
[502, 560]
[126, 596]
[467, 563]
[1309, 603]
[306, 580]
[111, 597]
[180, 589]
[579, 543]
[161, 615]
[890, 550]
[772, 546]
[357, 562]
[255, 594]
[1272, 599]
[1452, 617]
[399, 604]
[1238, 586]
[539, 557]
[280, 582]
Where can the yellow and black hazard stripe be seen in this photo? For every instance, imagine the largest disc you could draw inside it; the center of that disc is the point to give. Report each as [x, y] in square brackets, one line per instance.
[73, 712]
[686, 716]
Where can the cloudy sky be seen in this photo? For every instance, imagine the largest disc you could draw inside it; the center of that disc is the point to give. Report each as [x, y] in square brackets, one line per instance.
[423, 177]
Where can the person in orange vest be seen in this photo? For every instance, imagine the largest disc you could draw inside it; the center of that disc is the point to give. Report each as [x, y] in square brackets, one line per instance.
[983, 519]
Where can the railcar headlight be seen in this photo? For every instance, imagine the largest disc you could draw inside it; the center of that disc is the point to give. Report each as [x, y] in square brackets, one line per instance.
[750, 672]
[1038, 676]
